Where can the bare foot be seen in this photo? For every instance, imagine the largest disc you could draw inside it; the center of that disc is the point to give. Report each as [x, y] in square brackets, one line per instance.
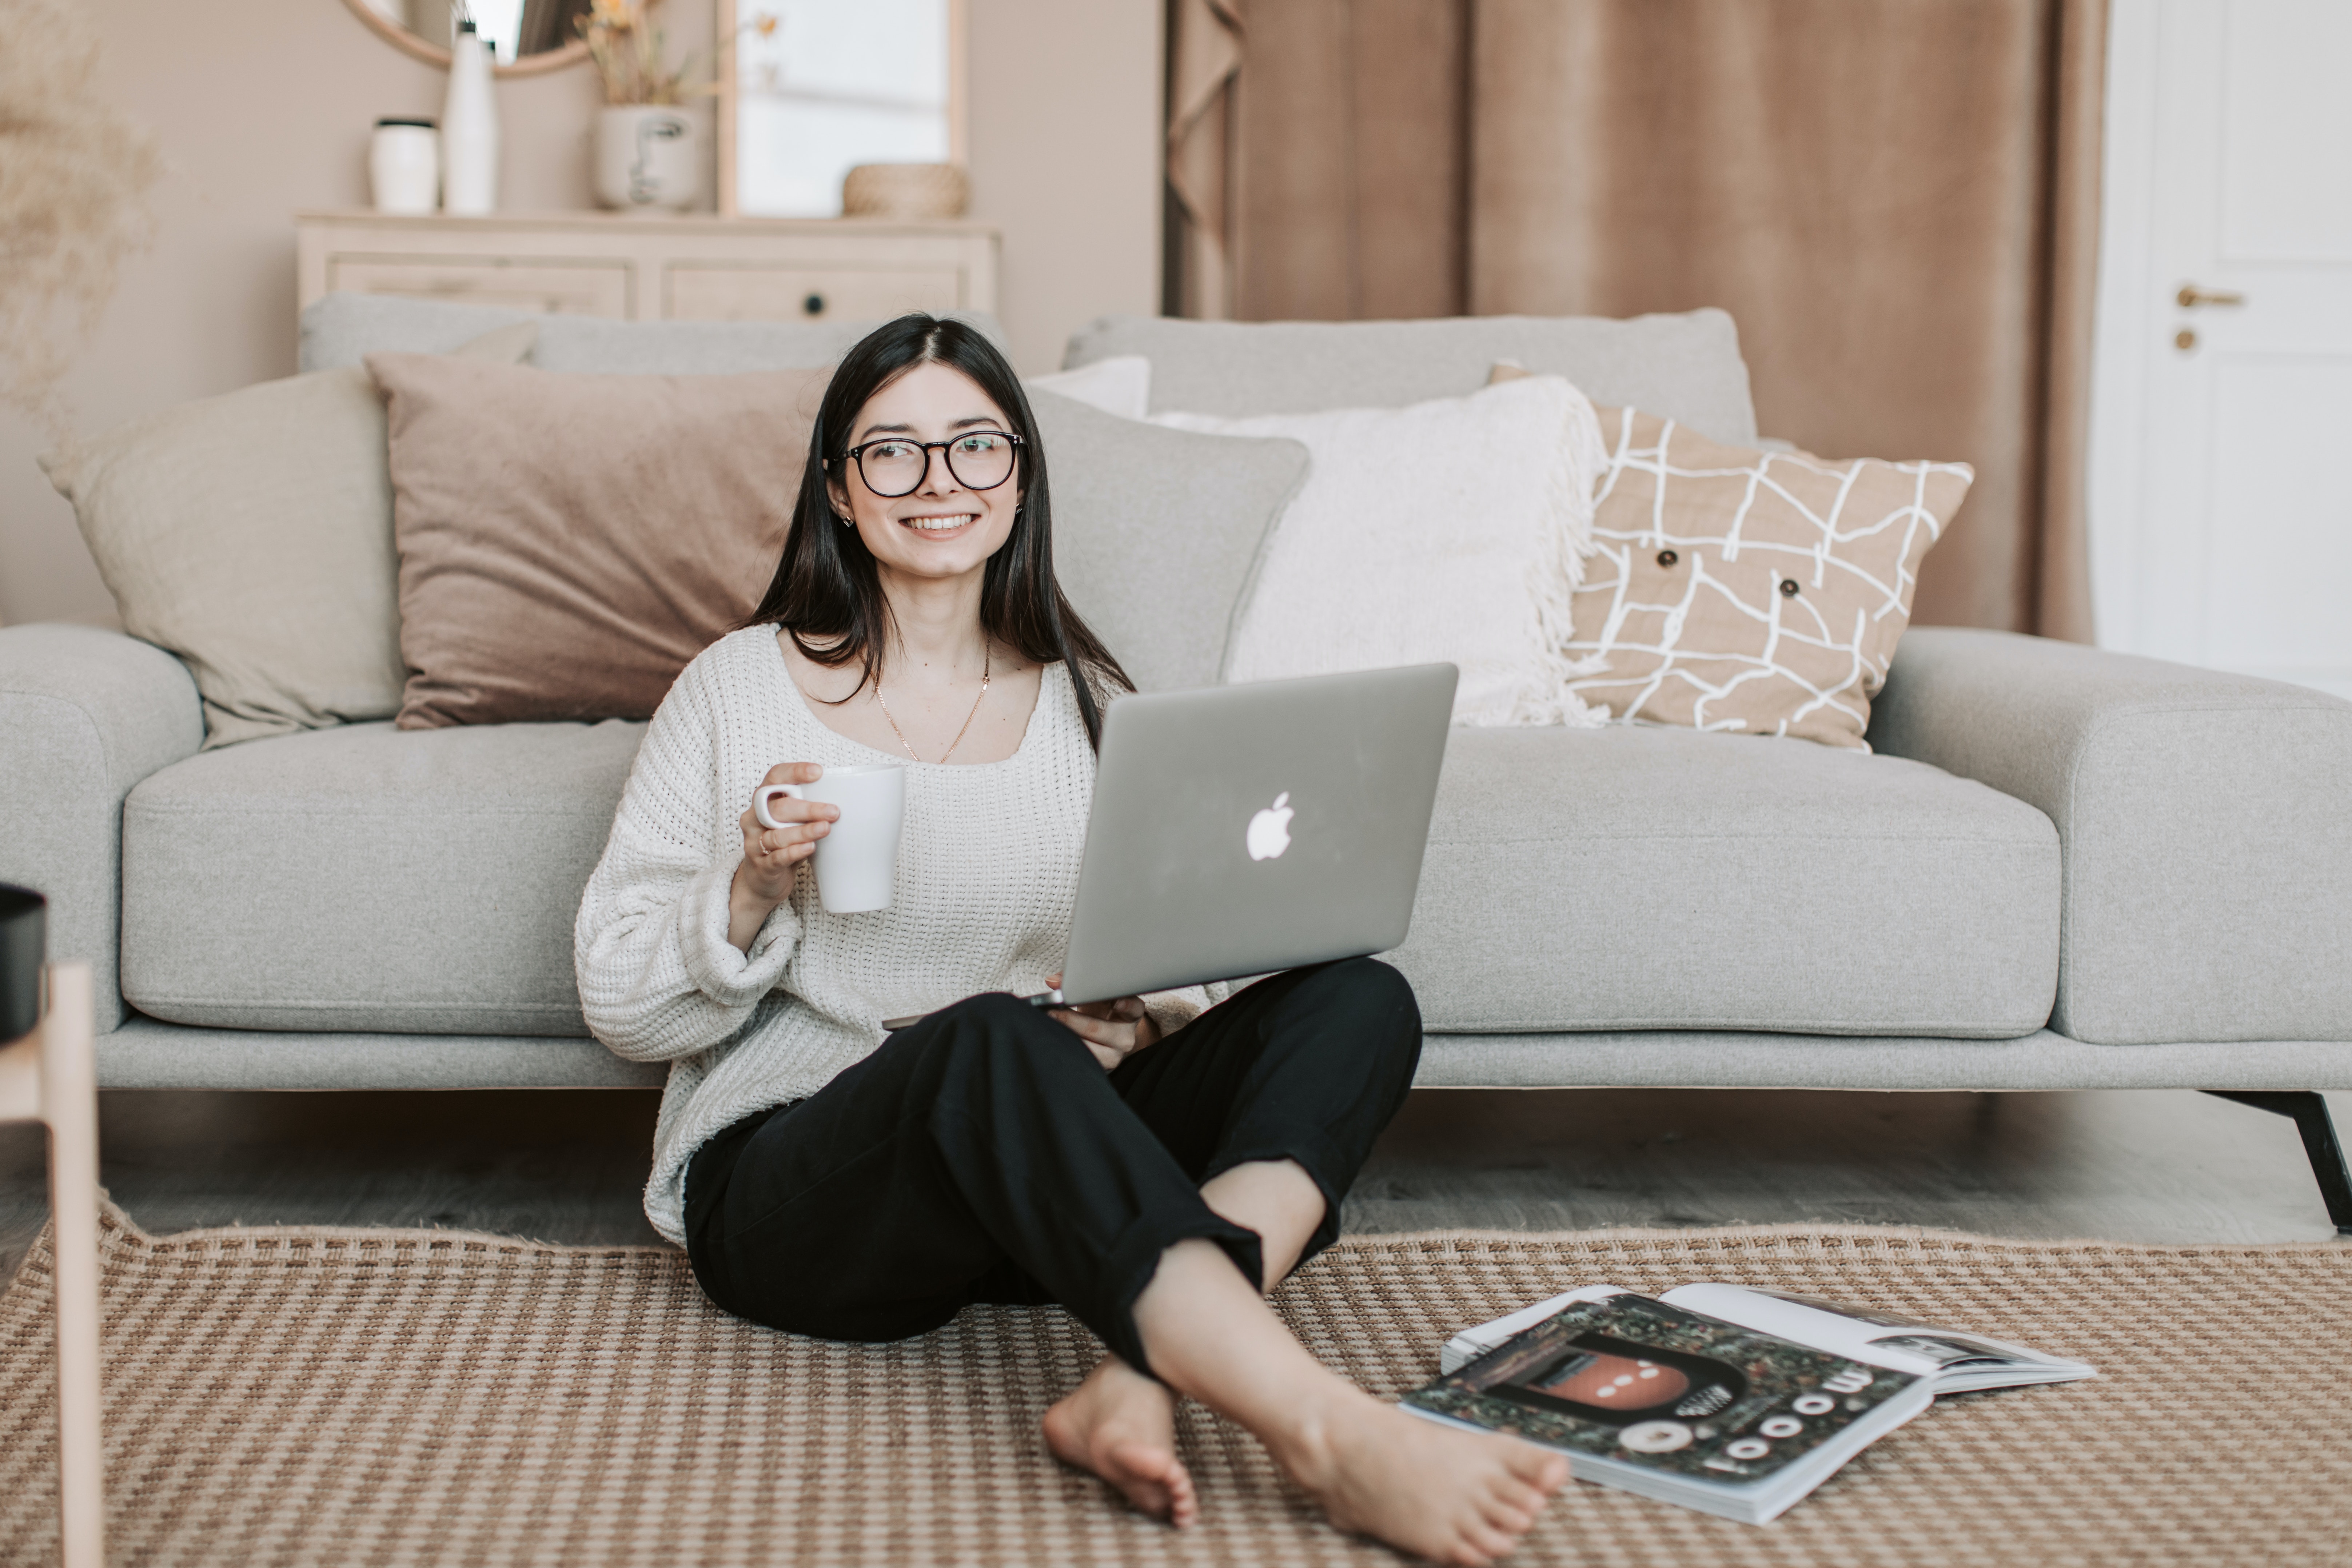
[1121, 1425]
[1452, 1496]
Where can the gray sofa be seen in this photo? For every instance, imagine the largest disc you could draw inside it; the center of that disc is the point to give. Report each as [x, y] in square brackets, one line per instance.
[2061, 868]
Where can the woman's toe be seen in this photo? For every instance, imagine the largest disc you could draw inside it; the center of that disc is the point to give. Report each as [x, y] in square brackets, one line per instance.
[1517, 1494]
[1488, 1541]
[1515, 1521]
[1540, 1468]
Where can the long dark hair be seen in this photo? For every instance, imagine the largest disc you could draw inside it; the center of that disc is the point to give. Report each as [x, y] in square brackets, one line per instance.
[827, 595]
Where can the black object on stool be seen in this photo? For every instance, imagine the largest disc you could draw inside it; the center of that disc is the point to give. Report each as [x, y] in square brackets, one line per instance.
[24, 943]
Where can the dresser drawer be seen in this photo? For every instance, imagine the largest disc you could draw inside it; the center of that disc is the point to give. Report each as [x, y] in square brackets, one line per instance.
[626, 267]
[587, 287]
[741, 291]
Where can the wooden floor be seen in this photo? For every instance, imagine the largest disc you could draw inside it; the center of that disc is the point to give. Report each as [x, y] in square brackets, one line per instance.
[2124, 1165]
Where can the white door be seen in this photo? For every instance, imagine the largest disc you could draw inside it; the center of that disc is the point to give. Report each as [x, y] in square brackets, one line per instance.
[2221, 444]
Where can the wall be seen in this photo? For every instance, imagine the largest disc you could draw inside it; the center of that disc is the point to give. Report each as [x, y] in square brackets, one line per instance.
[264, 108]
[1065, 160]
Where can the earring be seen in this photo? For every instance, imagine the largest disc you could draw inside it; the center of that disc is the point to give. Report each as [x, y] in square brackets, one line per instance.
[842, 521]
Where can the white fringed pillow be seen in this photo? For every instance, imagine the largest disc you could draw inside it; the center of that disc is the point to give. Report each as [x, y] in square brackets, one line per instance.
[1449, 530]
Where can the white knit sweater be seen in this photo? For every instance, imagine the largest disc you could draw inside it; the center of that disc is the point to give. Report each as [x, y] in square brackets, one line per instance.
[988, 869]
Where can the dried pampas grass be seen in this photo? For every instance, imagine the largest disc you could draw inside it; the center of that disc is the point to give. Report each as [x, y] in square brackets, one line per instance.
[74, 177]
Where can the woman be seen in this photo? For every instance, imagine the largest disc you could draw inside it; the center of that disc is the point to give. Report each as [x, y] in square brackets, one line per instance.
[1151, 1167]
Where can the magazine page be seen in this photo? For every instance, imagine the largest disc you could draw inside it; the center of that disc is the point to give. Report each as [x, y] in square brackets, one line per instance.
[1643, 1393]
[1954, 1358]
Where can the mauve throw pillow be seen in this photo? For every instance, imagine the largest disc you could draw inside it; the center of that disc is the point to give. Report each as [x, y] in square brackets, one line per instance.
[568, 543]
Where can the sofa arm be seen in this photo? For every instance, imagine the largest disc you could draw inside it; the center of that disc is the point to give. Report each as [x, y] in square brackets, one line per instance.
[2207, 891]
[84, 715]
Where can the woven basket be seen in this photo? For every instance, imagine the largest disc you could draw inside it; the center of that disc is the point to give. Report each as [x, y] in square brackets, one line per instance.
[905, 191]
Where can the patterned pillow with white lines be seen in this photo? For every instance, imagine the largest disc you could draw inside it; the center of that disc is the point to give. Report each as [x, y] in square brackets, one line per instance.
[1746, 590]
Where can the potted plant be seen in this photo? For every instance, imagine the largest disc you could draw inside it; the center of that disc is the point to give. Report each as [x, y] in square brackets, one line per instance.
[648, 148]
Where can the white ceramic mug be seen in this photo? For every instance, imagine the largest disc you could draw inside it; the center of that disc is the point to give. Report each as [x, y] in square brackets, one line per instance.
[857, 859]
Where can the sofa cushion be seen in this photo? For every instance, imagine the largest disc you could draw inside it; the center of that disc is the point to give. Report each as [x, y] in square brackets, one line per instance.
[369, 878]
[378, 880]
[1686, 367]
[343, 329]
[1641, 878]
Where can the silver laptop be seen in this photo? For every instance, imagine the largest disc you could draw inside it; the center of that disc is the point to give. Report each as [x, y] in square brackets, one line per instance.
[1238, 830]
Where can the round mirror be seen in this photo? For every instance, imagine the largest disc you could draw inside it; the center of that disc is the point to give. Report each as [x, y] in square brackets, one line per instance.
[528, 35]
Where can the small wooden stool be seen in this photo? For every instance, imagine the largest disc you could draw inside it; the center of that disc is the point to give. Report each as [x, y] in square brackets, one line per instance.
[49, 1074]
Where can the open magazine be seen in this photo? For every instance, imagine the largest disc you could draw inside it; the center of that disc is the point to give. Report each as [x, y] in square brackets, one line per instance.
[1730, 1400]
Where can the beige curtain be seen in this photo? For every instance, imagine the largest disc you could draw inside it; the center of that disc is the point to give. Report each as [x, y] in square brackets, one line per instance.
[1205, 61]
[1352, 128]
[1896, 199]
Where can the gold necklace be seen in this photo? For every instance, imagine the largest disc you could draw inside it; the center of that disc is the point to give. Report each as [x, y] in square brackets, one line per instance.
[985, 658]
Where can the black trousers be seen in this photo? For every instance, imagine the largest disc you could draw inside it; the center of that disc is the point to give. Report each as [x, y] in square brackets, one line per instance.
[984, 1155]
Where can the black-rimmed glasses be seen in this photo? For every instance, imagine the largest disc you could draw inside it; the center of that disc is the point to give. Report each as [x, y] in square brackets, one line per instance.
[894, 465]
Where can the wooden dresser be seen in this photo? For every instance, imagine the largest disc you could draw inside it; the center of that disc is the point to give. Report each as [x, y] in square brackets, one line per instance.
[691, 269]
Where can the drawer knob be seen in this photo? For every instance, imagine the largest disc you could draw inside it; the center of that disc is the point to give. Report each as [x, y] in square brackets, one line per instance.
[814, 305]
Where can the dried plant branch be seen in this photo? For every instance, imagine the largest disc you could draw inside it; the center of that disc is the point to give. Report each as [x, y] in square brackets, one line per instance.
[628, 51]
[75, 174]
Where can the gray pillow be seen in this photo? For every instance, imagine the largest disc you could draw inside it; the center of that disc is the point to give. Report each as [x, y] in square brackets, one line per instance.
[341, 329]
[1686, 367]
[1156, 531]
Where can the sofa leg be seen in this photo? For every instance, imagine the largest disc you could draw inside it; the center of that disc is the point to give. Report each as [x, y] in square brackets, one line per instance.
[2308, 1109]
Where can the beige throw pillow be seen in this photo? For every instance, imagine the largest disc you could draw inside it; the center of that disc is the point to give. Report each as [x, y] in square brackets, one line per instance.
[568, 543]
[251, 535]
[1740, 589]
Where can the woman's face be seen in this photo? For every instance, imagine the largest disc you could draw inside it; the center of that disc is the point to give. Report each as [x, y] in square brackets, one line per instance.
[943, 527]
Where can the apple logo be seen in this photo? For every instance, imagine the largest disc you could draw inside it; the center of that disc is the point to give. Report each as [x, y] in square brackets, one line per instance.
[1269, 830]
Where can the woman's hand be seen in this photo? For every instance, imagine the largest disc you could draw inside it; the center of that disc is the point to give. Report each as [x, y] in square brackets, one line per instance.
[1114, 1031]
[771, 855]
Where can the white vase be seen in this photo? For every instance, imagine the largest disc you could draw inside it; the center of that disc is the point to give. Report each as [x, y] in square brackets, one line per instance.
[470, 130]
[648, 157]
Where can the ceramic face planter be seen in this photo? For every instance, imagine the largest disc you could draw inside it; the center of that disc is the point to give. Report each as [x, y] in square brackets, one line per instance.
[648, 157]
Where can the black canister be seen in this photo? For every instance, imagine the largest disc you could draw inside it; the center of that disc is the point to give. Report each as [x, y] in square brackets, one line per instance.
[24, 941]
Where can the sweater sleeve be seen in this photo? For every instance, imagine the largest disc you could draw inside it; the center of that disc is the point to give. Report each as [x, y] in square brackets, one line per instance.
[658, 977]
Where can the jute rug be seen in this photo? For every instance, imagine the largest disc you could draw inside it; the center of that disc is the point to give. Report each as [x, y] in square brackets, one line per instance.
[379, 1396]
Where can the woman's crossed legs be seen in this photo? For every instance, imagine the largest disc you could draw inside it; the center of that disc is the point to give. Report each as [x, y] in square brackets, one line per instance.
[984, 1155]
